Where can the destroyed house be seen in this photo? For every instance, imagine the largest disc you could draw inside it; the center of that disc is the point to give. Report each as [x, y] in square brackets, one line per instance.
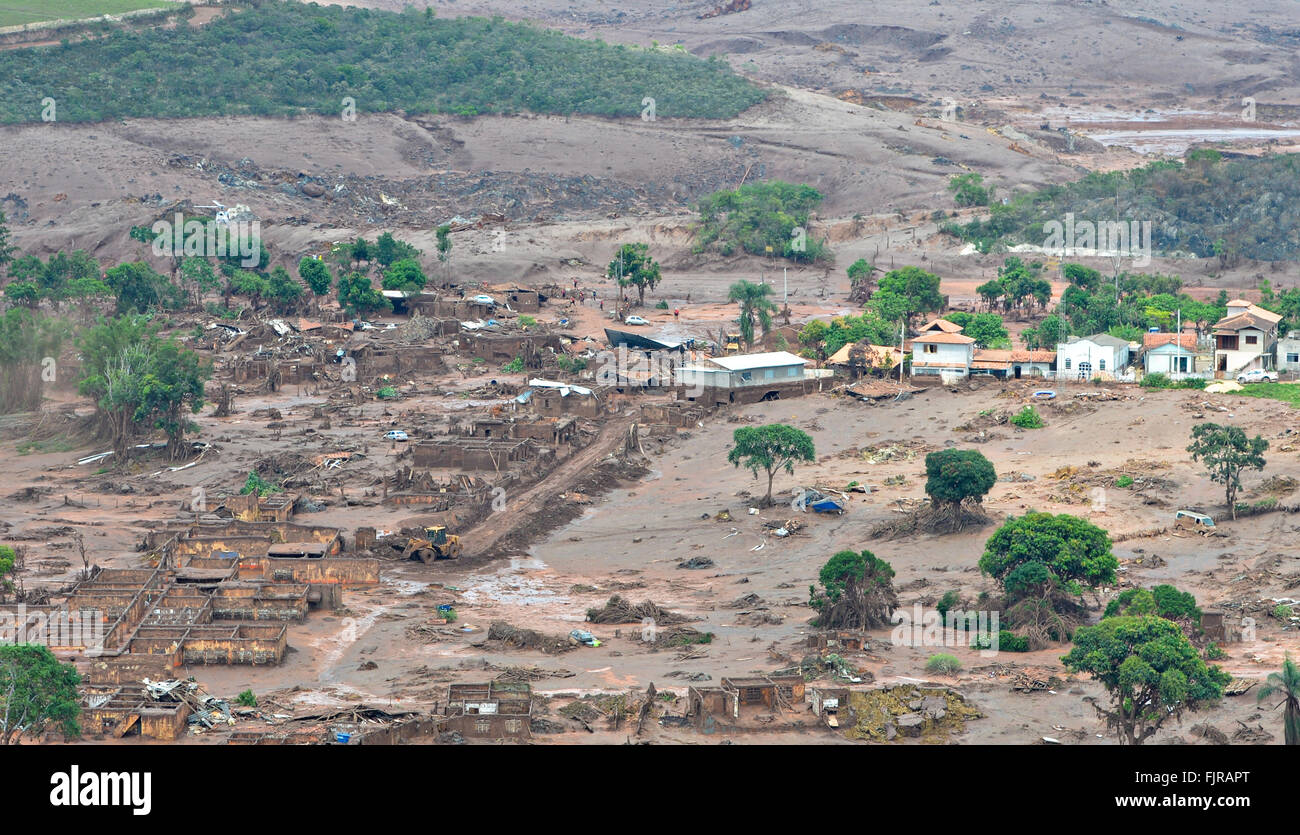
[737, 700]
[494, 710]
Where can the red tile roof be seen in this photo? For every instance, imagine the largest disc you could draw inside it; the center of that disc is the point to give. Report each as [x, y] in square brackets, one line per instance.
[1155, 340]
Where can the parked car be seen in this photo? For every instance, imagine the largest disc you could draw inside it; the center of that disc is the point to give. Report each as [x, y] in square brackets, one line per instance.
[635, 320]
[483, 298]
[1257, 375]
[396, 435]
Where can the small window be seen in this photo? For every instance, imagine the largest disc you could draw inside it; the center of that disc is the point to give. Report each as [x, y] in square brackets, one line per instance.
[769, 373]
[1067, 363]
[1252, 339]
[1101, 365]
[932, 349]
[746, 377]
[483, 726]
[1293, 357]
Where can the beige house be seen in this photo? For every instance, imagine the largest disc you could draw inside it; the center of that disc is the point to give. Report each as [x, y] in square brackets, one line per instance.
[1244, 339]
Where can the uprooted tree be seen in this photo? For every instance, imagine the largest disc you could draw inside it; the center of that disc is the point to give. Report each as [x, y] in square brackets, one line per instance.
[857, 592]
[957, 480]
[770, 448]
[37, 693]
[1043, 563]
[1226, 451]
[1150, 669]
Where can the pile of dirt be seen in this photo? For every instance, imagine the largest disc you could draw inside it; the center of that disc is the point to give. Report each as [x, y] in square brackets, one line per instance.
[516, 638]
[928, 713]
[620, 610]
[892, 451]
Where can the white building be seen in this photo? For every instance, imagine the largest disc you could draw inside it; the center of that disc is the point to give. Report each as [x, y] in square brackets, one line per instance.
[743, 371]
[1085, 357]
[1169, 353]
[1244, 339]
[1288, 352]
[938, 352]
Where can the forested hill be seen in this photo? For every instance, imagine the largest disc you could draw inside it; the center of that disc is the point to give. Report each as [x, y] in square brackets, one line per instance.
[275, 58]
[1208, 205]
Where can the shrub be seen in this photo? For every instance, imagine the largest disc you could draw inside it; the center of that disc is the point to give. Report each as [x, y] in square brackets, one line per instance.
[662, 305]
[1194, 383]
[514, 366]
[247, 699]
[386, 393]
[1007, 642]
[1156, 380]
[1028, 418]
[255, 483]
[527, 321]
[1124, 481]
[943, 664]
[1282, 612]
[949, 600]
[1214, 653]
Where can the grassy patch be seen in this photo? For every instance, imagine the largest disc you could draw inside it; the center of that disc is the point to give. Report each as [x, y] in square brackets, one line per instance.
[43, 447]
[289, 58]
[19, 12]
[1288, 393]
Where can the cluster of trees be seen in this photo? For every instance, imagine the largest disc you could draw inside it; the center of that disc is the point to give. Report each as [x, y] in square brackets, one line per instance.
[140, 382]
[1207, 206]
[396, 264]
[769, 218]
[1019, 287]
[987, 329]
[285, 58]
[900, 297]
[822, 339]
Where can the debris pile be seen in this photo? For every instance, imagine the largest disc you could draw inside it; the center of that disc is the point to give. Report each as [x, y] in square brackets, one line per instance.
[620, 610]
[932, 714]
[516, 638]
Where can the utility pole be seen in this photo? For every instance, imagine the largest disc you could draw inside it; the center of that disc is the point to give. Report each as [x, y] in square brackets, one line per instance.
[785, 285]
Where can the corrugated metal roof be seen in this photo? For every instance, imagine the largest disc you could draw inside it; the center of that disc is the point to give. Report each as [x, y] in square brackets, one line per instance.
[768, 359]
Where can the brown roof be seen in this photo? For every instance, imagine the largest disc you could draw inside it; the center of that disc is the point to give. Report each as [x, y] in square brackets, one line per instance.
[941, 325]
[1033, 356]
[992, 355]
[1155, 340]
[1249, 319]
[990, 365]
[944, 338]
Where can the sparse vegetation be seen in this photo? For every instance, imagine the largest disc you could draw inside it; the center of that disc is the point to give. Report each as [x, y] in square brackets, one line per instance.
[1028, 418]
[768, 218]
[943, 664]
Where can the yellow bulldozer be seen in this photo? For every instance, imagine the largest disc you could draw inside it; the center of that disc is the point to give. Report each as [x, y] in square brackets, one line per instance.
[432, 543]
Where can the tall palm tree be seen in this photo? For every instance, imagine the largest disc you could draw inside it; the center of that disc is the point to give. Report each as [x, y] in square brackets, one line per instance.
[1287, 685]
[754, 305]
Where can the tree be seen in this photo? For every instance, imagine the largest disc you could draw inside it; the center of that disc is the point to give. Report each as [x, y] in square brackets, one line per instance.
[954, 476]
[772, 447]
[1150, 669]
[633, 267]
[389, 250]
[1287, 685]
[7, 248]
[358, 296]
[990, 291]
[813, 337]
[405, 275]
[969, 190]
[172, 386]
[920, 288]
[285, 293]
[1226, 451]
[860, 273]
[1073, 550]
[139, 288]
[316, 274]
[251, 284]
[754, 306]
[7, 559]
[987, 330]
[857, 592]
[443, 233]
[198, 273]
[1081, 276]
[37, 693]
[28, 341]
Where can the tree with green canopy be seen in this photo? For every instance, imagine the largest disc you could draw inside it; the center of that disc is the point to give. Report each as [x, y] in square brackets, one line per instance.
[1149, 668]
[37, 693]
[770, 448]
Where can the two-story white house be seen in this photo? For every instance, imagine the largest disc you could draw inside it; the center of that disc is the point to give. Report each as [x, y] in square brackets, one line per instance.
[940, 352]
[1085, 357]
[1288, 352]
[1244, 339]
